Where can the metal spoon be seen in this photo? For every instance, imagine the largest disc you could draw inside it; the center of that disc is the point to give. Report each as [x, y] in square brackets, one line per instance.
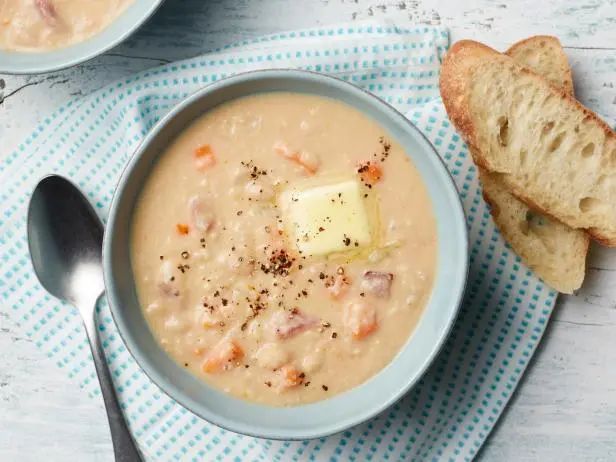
[65, 238]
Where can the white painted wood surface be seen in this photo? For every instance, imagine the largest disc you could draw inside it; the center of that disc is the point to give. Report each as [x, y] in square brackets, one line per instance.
[565, 408]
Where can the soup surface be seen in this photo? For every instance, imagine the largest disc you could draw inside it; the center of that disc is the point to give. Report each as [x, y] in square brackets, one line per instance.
[39, 25]
[283, 248]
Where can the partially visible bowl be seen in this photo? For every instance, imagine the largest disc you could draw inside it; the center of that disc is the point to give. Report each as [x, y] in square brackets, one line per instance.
[18, 62]
[341, 411]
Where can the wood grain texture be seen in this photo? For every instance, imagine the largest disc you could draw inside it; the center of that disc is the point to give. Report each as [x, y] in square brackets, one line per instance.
[565, 408]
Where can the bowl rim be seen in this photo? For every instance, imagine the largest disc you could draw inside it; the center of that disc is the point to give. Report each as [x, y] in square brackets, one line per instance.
[236, 426]
[40, 62]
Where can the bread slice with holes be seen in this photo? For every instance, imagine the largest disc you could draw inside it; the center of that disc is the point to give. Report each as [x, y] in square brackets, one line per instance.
[555, 252]
[548, 149]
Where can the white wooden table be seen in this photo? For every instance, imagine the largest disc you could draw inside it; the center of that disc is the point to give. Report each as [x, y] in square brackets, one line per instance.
[565, 408]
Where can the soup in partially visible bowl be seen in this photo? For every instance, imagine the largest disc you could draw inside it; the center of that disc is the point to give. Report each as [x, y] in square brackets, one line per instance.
[40, 25]
[46, 35]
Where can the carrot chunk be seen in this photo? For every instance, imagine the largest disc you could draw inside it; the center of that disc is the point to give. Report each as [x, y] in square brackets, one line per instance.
[182, 229]
[291, 377]
[364, 329]
[204, 150]
[204, 157]
[370, 173]
[222, 356]
[360, 319]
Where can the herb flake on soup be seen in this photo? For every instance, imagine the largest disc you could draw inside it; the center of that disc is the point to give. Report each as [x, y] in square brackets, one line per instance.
[284, 248]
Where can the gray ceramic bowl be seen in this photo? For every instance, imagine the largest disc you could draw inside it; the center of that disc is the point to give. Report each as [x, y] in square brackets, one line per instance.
[37, 62]
[339, 412]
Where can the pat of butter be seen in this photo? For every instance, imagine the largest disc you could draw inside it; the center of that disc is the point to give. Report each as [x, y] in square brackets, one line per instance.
[326, 218]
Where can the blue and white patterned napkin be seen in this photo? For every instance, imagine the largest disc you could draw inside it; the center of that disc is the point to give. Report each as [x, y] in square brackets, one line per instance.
[447, 416]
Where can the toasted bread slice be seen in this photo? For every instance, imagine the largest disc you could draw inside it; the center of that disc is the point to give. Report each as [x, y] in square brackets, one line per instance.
[555, 252]
[506, 111]
[544, 55]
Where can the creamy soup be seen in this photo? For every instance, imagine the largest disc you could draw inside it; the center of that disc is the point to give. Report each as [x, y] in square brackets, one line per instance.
[38, 25]
[283, 248]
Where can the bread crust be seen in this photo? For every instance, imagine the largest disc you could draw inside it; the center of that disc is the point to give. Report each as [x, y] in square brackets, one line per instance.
[534, 40]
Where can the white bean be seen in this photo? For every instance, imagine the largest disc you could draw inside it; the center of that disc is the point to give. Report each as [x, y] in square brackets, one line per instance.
[259, 190]
[313, 362]
[271, 356]
[174, 324]
[166, 271]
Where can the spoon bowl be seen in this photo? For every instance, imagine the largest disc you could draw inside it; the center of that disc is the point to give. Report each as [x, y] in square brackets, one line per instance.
[65, 237]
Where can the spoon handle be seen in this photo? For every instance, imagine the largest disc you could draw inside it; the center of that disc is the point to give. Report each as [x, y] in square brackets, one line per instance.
[124, 447]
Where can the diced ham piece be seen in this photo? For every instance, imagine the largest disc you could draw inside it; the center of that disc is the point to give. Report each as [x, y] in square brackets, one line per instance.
[286, 324]
[222, 356]
[309, 161]
[377, 283]
[283, 150]
[166, 280]
[47, 10]
[359, 319]
[168, 289]
[201, 218]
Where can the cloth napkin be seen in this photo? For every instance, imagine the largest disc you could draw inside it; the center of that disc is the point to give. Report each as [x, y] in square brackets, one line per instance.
[450, 412]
